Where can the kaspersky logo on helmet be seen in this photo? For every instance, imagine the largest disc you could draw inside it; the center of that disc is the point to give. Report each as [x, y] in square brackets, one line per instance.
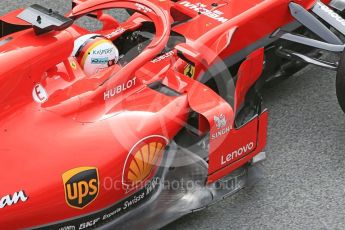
[81, 186]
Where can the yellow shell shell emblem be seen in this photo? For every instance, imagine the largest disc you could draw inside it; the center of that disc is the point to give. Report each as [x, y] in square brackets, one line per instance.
[144, 160]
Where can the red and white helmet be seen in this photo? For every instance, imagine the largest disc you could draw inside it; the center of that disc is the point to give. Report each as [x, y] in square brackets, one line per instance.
[95, 53]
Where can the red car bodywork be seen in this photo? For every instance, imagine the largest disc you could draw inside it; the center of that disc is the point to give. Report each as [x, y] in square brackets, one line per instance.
[85, 124]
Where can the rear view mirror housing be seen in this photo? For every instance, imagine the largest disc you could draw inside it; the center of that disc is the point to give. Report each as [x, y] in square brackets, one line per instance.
[44, 20]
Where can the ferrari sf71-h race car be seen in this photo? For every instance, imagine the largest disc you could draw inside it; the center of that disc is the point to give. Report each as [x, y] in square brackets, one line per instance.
[140, 122]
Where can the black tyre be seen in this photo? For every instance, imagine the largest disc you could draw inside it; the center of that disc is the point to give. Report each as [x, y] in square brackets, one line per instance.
[340, 82]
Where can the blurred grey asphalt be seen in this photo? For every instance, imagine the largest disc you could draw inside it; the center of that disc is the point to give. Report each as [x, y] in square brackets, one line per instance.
[303, 178]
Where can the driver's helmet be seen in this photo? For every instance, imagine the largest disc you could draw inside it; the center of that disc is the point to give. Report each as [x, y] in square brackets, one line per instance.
[95, 53]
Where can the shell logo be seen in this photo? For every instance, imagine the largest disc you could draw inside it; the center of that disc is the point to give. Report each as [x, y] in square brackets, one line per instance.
[143, 160]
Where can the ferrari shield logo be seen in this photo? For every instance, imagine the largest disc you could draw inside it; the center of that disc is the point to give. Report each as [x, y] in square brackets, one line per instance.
[81, 186]
[189, 71]
[73, 65]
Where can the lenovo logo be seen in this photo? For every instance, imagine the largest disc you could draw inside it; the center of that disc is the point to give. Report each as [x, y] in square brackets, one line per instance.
[238, 153]
[10, 200]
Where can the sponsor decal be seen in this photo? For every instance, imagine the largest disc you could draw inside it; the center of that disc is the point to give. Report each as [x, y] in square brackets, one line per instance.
[189, 71]
[93, 51]
[89, 224]
[13, 199]
[71, 227]
[220, 121]
[202, 9]
[142, 8]
[115, 211]
[73, 65]
[81, 186]
[115, 33]
[119, 89]
[39, 94]
[102, 51]
[162, 57]
[143, 160]
[97, 61]
[222, 126]
[331, 13]
[237, 153]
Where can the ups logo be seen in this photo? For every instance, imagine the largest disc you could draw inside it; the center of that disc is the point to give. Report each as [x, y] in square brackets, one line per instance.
[81, 186]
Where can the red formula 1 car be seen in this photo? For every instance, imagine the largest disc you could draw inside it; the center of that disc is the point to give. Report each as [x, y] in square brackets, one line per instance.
[146, 120]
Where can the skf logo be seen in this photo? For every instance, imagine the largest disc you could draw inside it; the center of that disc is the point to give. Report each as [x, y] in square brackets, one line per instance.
[10, 200]
[143, 160]
[81, 186]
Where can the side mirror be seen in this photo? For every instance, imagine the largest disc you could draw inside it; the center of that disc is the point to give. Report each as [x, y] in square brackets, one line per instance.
[44, 20]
